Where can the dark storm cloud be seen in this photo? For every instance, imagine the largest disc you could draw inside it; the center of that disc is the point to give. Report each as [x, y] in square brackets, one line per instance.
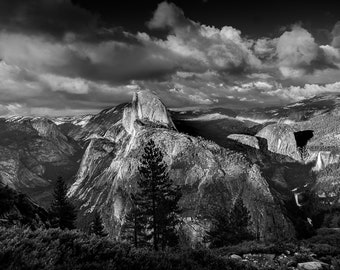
[52, 17]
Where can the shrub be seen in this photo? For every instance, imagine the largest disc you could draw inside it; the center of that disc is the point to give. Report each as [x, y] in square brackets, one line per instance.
[325, 236]
[255, 247]
[57, 249]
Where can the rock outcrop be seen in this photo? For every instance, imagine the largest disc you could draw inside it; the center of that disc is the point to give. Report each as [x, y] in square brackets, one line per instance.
[280, 139]
[209, 175]
[245, 139]
[146, 108]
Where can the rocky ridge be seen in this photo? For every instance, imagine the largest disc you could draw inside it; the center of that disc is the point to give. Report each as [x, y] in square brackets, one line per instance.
[206, 172]
[33, 153]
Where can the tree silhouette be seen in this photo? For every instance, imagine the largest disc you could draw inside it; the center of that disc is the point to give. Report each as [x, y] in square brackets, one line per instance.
[154, 213]
[230, 227]
[97, 226]
[133, 229]
[62, 210]
[7, 199]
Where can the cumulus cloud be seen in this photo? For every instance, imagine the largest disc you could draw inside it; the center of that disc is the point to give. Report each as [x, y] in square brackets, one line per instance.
[298, 53]
[296, 49]
[251, 86]
[297, 93]
[265, 48]
[206, 46]
[168, 15]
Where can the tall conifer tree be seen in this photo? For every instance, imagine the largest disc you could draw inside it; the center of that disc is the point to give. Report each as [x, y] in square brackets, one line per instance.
[230, 227]
[62, 210]
[155, 211]
[97, 226]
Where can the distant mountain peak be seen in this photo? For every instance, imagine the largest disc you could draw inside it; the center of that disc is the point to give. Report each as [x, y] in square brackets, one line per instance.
[146, 107]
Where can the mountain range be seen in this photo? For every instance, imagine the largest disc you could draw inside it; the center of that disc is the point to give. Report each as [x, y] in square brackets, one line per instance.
[270, 157]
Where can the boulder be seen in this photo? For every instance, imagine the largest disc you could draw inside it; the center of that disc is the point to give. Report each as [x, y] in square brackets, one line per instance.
[235, 257]
[245, 139]
[312, 266]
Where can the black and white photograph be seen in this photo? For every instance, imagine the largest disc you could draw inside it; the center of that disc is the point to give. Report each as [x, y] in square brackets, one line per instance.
[169, 135]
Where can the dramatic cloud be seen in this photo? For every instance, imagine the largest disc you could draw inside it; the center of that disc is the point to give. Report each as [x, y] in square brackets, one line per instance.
[298, 53]
[296, 49]
[296, 93]
[57, 58]
[206, 47]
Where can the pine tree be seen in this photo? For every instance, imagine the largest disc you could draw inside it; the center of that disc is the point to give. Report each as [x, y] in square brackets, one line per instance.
[230, 227]
[7, 199]
[155, 210]
[97, 226]
[62, 210]
[133, 229]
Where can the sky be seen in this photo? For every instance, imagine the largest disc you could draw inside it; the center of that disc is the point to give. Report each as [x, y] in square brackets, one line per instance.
[70, 57]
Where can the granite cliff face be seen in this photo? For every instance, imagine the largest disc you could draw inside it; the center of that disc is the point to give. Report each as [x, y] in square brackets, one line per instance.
[252, 141]
[33, 153]
[208, 174]
[280, 139]
[315, 124]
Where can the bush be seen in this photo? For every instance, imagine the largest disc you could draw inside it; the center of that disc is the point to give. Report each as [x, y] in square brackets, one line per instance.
[255, 247]
[326, 236]
[324, 249]
[57, 249]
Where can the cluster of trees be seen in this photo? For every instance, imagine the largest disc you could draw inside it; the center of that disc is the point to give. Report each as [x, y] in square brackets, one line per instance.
[154, 216]
[64, 214]
[230, 228]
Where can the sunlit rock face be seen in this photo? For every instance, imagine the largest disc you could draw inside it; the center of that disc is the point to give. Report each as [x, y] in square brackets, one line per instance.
[33, 153]
[280, 139]
[246, 140]
[322, 159]
[146, 108]
[210, 176]
[327, 169]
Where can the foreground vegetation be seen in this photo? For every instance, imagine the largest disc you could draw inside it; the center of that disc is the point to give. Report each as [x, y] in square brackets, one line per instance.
[22, 248]
[64, 249]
